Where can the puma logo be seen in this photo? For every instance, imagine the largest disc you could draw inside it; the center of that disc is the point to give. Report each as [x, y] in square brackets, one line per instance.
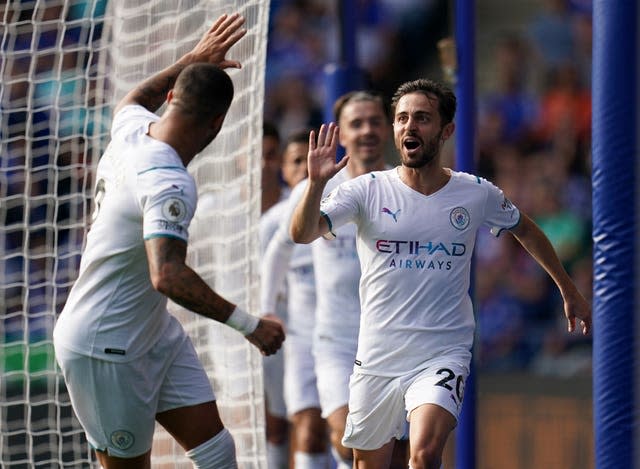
[393, 214]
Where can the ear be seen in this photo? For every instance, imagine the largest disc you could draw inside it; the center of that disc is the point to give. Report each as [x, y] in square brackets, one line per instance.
[170, 95]
[447, 131]
[216, 123]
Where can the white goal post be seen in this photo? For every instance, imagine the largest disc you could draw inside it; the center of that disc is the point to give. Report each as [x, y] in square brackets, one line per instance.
[64, 64]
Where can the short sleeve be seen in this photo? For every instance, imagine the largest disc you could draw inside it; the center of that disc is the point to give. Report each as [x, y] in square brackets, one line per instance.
[501, 213]
[342, 204]
[168, 199]
[129, 118]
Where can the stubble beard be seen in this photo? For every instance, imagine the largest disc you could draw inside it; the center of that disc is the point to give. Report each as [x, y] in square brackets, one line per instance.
[429, 153]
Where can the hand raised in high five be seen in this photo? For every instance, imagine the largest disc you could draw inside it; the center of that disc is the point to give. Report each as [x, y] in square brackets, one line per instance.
[321, 160]
[214, 45]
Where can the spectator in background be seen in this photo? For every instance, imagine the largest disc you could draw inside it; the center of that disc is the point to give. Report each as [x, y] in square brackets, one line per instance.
[565, 110]
[508, 111]
[550, 33]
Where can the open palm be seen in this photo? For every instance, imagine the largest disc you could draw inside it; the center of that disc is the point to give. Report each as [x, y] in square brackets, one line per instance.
[321, 160]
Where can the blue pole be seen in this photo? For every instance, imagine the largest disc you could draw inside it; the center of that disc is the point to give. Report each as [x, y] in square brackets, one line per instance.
[615, 92]
[465, 154]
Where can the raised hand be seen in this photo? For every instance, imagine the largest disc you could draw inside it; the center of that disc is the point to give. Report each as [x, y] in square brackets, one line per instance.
[216, 42]
[321, 159]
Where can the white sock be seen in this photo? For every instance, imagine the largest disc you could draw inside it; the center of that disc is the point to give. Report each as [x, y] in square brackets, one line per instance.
[217, 453]
[277, 456]
[310, 460]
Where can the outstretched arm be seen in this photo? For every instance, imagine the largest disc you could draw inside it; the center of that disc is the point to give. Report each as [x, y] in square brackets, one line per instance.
[531, 237]
[174, 279]
[212, 48]
[307, 224]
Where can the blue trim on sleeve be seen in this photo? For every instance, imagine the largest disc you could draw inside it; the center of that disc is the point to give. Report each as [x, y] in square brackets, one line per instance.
[331, 234]
[510, 228]
[179, 168]
[163, 235]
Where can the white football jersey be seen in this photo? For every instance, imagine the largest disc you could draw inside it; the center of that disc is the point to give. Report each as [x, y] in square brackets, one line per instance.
[415, 254]
[284, 259]
[337, 275]
[142, 191]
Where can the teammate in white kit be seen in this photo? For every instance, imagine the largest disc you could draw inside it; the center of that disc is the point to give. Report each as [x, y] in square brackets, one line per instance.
[295, 265]
[274, 190]
[416, 227]
[126, 361]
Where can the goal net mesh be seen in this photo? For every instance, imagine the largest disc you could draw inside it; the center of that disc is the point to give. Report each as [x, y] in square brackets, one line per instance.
[64, 64]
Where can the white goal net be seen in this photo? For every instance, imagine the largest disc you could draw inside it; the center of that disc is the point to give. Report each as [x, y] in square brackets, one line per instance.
[64, 64]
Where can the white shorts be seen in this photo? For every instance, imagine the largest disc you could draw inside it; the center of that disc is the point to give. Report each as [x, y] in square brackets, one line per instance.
[334, 365]
[300, 386]
[380, 406]
[273, 371]
[116, 403]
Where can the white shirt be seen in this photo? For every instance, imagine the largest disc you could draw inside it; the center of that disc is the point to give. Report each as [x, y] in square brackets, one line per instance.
[143, 191]
[283, 259]
[337, 269]
[415, 253]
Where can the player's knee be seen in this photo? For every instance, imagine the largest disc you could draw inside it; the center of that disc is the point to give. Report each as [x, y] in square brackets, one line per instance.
[427, 457]
[217, 453]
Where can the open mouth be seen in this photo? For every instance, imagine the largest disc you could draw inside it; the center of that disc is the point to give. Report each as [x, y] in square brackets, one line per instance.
[411, 144]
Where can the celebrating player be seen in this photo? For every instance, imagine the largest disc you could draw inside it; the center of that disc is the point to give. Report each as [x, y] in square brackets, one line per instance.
[416, 227]
[126, 361]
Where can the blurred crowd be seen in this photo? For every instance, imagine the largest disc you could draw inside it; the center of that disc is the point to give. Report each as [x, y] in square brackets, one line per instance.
[533, 141]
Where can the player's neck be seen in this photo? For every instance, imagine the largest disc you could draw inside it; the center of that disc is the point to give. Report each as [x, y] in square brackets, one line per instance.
[358, 168]
[427, 180]
[181, 142]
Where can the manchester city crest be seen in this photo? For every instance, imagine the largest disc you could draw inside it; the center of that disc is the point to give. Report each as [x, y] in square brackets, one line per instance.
[459, 218]
[122, 439]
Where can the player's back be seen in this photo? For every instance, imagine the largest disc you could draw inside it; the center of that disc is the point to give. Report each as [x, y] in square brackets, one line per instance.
[113, 308]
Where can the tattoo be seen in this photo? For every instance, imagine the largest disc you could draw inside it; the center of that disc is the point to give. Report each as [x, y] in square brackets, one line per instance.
[152, 93]
[180, 283]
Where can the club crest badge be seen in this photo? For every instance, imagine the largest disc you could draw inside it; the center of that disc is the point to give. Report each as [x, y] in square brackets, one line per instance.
[459, 218]
[122, 439]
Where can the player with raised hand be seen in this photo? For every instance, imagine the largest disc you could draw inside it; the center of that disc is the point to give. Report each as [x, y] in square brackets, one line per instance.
[416, 229]
[364, 119]
[126, 361]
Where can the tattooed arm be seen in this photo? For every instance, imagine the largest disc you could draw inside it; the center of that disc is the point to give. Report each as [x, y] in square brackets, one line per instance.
[212, 48]
[176, 280]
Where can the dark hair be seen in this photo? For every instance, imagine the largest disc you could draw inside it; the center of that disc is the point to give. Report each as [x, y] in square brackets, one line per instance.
[446, 97]
[299, 136]
[203, 91]
[269, 129]
[355, 96]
